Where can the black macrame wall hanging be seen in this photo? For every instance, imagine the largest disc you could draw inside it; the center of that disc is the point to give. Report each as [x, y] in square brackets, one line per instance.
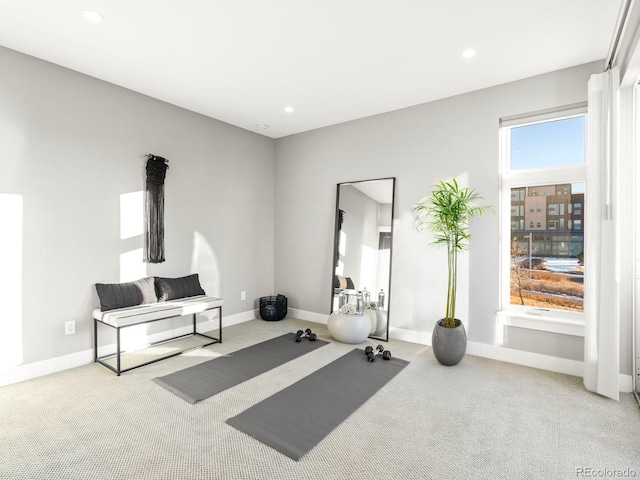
[154, 209]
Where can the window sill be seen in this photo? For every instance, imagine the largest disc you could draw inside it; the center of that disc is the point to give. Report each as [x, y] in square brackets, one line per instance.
[536, 319]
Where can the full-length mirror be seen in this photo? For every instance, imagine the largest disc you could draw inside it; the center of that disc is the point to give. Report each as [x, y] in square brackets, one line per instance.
[362, 248]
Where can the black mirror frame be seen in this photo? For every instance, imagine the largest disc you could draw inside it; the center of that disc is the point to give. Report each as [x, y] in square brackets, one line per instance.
[336, 240]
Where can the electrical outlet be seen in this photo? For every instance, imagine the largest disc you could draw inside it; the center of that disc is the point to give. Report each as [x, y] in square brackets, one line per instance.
[243, 295]
[70, 327]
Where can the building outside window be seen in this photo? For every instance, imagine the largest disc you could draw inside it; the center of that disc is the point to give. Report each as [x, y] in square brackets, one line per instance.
[544, 168]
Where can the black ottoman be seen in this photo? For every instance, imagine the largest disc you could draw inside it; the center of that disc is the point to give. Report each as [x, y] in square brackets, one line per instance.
[273, 309]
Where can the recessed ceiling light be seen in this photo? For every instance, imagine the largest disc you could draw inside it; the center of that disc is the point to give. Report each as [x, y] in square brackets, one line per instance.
[468, 53]
[262, 126]
[92, 16]
[288, 109]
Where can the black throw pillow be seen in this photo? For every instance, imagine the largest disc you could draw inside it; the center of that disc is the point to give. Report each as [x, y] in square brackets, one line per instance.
[182, 287]
[121, 295]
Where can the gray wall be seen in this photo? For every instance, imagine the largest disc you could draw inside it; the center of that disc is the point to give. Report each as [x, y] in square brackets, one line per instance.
[246, 212]
[70, 146]
[360, 228]
[454, 137]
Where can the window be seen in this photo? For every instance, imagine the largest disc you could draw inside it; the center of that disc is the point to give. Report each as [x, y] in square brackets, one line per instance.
[543, 156]
[517, 195]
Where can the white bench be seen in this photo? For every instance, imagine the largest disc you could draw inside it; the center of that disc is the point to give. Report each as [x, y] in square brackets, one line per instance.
[151, 312]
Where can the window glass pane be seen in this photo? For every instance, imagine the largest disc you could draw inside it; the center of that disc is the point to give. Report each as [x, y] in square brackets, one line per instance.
[547, 269]
[548, 144]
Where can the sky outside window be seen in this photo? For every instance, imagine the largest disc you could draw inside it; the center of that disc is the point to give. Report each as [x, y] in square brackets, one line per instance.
[548, 144]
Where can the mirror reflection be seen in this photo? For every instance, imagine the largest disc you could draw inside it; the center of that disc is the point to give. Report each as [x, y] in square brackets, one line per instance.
[362, 249]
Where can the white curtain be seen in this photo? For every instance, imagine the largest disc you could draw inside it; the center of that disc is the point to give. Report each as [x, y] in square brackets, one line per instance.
[602, 306]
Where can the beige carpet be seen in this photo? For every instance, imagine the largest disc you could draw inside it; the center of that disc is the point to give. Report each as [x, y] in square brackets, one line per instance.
[479, 420]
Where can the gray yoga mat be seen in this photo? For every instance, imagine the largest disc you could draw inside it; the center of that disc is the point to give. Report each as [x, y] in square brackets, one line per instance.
[206, 379]
[296, 419]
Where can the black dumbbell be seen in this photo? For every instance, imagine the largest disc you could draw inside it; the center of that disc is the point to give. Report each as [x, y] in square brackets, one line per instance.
[379, 350]
[306, 334]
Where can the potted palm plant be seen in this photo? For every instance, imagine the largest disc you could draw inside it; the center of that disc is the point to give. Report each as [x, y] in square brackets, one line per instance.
[446, 214]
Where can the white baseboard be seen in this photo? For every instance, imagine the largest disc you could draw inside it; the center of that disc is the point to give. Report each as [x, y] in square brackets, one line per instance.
[509, 355]
[28, 371]
[423, 338]
[309, 316]
[85, 357]
[528, 359]
[240, 318]
[45, 367]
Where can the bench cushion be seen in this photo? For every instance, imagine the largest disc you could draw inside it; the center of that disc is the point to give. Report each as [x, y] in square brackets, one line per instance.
[123, 317]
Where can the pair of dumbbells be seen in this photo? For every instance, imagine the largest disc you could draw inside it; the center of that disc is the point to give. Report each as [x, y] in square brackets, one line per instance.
[372, 353]
[306, 334]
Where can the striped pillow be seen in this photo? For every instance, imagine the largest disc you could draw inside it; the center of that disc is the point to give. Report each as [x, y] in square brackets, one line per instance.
[172, 288]
[122, 295]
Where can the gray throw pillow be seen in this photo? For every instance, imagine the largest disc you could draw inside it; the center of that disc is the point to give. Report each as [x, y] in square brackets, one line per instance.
[182, 287]
[121, 295]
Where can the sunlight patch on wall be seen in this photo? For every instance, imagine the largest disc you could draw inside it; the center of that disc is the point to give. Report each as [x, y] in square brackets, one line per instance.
[11, 225]
[131, 214]
[205, 263]
[342, 248]
[131, 266]
[134, 338]
[383, 273]
[368, 267]
[342, 243]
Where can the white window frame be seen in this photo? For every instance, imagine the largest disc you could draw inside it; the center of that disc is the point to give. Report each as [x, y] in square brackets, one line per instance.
[548, 320]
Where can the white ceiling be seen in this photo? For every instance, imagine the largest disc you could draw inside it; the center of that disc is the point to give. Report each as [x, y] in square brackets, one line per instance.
[243, 61]
[379, 190]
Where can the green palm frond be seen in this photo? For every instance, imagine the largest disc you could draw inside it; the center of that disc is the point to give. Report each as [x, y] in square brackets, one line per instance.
[446, 214]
